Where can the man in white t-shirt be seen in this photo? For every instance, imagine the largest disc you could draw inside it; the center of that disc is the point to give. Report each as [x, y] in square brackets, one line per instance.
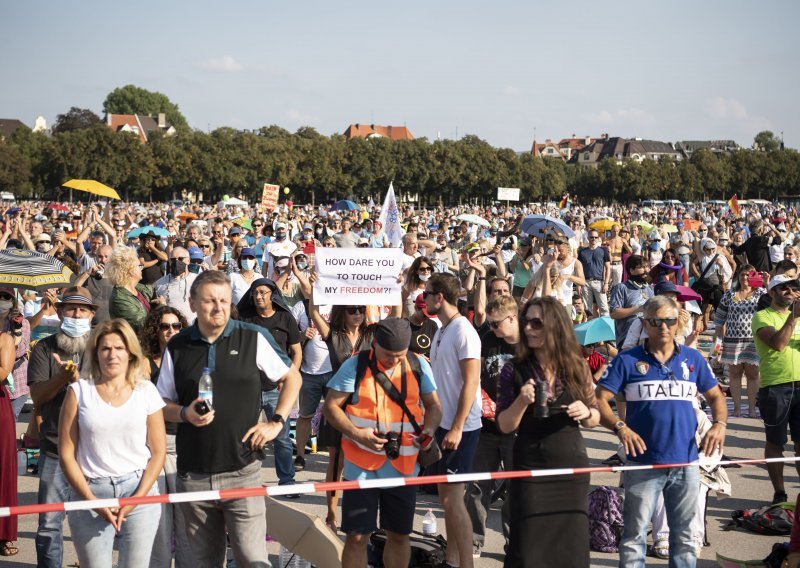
[456, 361]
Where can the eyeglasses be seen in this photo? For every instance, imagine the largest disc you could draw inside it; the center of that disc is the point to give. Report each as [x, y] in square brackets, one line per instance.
[356, 310]
[181, 258]
[255, 225]
[329, 245]
[534, 323]
[177, 326]
[656, 322]
[496, 324]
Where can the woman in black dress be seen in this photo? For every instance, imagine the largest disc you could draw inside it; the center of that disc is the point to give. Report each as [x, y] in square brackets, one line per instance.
[549, 523]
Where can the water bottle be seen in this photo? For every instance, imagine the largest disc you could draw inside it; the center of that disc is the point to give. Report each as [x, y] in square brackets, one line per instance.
[22, 462]
[288, 559]
[205, 389]
[716, 353]
[429, 524]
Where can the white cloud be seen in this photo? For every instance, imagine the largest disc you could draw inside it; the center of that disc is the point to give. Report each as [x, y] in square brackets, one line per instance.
[511, 91]
[628, 117]
[301, 118]
[225, 64]
[734, 111]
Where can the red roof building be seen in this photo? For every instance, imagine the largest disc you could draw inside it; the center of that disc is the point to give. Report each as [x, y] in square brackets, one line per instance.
[376, 130]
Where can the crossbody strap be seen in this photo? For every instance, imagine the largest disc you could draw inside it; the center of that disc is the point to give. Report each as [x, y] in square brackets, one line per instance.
[392, 392]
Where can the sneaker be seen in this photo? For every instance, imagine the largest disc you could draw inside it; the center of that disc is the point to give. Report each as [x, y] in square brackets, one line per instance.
[779, 497]
[476, 550]
[299, 463]
[613, 460]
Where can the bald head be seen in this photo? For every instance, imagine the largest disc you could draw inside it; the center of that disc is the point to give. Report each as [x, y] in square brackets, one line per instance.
[103, 254]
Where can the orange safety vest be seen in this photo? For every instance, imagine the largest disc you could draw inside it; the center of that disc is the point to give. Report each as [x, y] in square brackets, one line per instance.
[371, 407]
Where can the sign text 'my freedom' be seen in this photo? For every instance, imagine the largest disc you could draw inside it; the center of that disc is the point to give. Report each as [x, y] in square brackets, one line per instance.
[358, 276]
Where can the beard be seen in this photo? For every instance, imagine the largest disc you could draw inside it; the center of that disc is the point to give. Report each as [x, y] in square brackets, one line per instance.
[67, 344]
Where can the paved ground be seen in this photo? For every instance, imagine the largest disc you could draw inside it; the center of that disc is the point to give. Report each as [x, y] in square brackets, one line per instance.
[751, 488]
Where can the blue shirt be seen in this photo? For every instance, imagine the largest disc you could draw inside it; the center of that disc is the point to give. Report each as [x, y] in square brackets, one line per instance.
[626, 295]
[661, 399]
[344, 381]
[594, 262]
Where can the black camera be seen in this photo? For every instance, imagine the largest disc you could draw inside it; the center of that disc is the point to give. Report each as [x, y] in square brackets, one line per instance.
[392, 445]
[541, 410]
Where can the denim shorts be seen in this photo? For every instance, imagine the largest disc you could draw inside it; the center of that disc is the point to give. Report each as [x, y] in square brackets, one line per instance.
[311, 392]
[780, 407]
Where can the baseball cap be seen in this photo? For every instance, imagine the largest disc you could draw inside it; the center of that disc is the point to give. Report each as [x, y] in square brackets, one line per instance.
[247, 251]
[195, 254]
[783, 280]
[665, 287]
[472, 247]
[235, 231]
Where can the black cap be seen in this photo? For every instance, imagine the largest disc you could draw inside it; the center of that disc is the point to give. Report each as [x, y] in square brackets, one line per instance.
[393, 334]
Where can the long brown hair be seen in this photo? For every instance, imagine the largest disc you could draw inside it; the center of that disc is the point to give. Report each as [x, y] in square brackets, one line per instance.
[560, 346]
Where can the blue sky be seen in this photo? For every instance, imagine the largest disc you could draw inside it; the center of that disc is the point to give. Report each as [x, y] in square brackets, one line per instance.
[671, 70]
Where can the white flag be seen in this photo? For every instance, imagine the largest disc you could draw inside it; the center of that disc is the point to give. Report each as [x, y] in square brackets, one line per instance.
[390, 218]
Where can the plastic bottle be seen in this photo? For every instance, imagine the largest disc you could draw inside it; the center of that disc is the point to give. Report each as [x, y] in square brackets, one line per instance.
[429, 524]
[22, 462]
[717, 351]
[288, 559]
[205, 389]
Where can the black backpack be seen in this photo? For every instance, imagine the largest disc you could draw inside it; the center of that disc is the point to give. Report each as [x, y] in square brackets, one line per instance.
[770, 520]
[426, 551]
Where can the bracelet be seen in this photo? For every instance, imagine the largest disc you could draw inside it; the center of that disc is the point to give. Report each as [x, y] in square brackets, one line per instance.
[720, 422]
[481, 277]
[183, 413]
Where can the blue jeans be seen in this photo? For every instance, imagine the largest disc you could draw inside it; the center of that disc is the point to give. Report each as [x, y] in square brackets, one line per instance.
[680, 487]
[53, 488]
[94, 537]
[283, 443]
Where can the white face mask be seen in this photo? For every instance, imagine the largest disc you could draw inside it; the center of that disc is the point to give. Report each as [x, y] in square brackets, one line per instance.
[248, 264]
[6, 305]
[423, 277]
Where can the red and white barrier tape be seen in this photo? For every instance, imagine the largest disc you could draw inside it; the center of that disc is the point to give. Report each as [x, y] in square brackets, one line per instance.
[303, 488]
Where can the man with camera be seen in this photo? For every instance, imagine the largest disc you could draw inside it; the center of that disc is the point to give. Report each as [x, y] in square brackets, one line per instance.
[379, 439]
[777, 340]
[98, 285]
[220, 441]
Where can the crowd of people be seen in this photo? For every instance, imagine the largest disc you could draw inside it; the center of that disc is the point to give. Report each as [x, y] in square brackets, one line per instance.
[478, 367]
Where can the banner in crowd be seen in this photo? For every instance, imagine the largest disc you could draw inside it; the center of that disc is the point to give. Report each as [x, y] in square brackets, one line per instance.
[358, 276]
[390, 218]
[269, 197]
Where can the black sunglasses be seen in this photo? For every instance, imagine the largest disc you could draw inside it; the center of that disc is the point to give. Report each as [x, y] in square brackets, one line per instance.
[656, 322]
[496, 324]
[177, 326]
[357, 310]
[535, 323]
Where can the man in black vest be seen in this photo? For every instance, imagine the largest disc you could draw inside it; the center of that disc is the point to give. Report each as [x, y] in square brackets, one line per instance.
[221, 448]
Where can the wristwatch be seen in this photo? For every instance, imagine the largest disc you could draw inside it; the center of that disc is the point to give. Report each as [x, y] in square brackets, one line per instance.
[619, 425]
[278, 418]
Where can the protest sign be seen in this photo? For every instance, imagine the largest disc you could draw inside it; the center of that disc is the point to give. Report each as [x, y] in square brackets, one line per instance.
[508, 194]
[269, 197]
[358, 276]
[390, 218]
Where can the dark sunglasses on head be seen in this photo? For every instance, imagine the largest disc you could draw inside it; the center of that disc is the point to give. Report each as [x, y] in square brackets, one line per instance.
[535, 323]
[656, 322]
[177, 326]
[356, 310]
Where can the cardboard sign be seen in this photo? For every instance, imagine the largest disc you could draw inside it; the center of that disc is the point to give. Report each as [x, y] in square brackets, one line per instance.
[508, 194]
[358, 276]
[269, 197]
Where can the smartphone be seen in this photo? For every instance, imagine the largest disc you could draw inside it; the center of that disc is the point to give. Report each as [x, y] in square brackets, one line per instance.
[424, 441]
[755, 280]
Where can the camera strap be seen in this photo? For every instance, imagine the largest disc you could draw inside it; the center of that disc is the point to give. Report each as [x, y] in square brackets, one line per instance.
[397, 397]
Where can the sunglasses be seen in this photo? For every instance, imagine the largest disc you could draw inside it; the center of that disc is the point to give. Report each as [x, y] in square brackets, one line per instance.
[177, 326]
[424, 269]
[356, 310]
[426, 293]
[656, 322]
[496, 324]
[205, 246]
[535, 323]
[6, 297]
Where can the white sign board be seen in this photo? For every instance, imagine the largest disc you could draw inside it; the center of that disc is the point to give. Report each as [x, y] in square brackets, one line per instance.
[358, 276]
[508, 194]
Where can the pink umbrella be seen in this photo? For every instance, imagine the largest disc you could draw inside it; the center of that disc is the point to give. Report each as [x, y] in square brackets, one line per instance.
[686, 294]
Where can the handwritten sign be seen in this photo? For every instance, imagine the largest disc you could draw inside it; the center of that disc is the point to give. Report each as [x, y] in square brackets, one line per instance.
[269, 197]
[358, 276]
[508, 194]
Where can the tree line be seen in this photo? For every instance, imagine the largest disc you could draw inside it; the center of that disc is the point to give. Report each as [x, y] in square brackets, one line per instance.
[323, 168]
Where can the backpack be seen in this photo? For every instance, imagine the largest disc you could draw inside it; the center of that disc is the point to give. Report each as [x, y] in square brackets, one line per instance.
[770, 519]
[605, 519]
[426, 551]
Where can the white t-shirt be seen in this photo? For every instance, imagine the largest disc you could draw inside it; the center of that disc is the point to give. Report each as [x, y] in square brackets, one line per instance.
[113, 440]
[453, 343]
[316, 359]
[176, 291]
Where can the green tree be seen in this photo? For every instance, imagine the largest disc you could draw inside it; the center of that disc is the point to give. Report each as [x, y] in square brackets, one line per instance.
[74, 119]
[33, 146]
[766, 141]
[15, 169]
[131, 99]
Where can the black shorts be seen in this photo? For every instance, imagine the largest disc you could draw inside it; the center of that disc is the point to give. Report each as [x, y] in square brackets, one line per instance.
[458, 460]
[780, 407]
[397, 506]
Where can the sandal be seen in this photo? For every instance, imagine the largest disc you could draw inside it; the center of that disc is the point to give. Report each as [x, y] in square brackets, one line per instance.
[8, 548]
[661, 549]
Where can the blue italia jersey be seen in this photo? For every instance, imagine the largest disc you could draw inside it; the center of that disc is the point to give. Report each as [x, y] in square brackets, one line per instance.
[661, 400]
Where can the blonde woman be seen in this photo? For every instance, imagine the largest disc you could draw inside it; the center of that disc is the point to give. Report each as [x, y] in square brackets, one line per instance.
[112, 444]
[130, 299]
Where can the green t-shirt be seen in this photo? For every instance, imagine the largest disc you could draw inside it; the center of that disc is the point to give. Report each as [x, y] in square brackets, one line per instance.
[777, 367]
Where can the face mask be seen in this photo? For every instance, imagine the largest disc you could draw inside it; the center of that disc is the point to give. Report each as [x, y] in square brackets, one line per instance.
[638, 278]
[280, 236]
[176, 267]
[423, 277]
[75, 327]
[42, 248]
[194, 268]
[302, 265]
[248, 264]
[319, 232]
[6, 305]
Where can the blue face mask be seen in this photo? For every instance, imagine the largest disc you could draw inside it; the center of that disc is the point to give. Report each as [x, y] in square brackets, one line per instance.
[75, 327]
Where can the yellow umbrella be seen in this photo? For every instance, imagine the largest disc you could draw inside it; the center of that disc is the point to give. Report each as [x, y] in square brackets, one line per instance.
[92, 186]
[669, 228]
[603, 224]
[645, 226]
